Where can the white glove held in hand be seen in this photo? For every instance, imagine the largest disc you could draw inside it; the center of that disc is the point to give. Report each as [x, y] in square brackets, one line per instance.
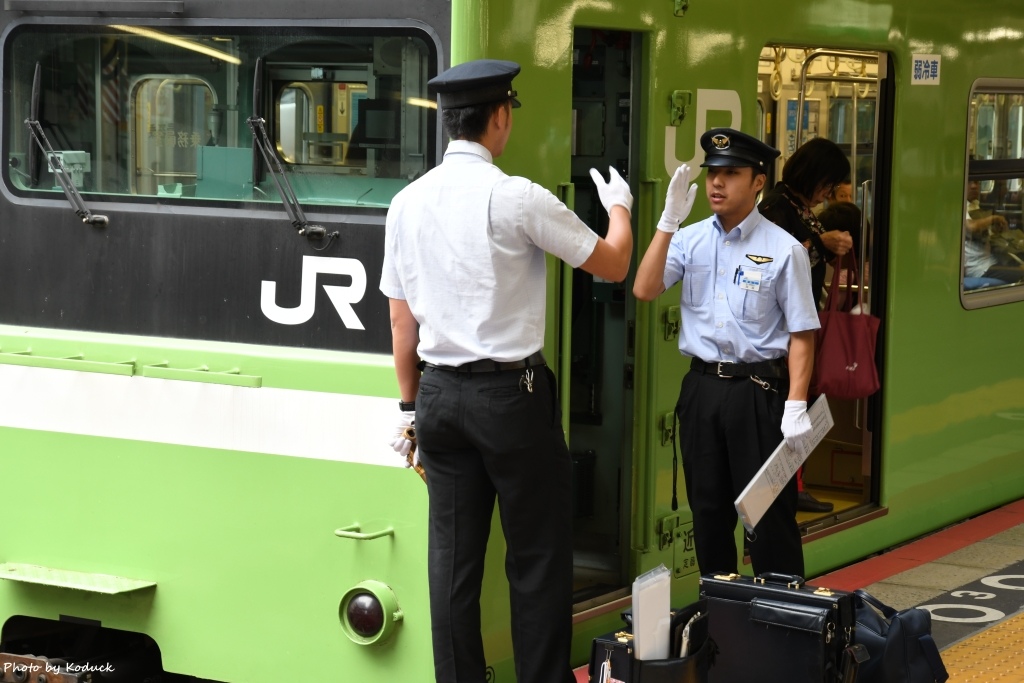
[796, 426]
[613, 193]
[678, 200]
[399, 443]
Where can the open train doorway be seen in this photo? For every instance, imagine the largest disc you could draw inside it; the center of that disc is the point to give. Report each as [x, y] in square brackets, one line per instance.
[601, 317]
[845, 96]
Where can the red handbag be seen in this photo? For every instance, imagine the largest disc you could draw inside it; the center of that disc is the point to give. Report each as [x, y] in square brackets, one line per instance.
[844, 359]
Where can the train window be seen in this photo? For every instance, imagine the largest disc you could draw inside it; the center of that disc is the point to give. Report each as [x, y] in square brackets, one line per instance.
[1014, 120]
[300, 125]
[993, 213]
[164, 115]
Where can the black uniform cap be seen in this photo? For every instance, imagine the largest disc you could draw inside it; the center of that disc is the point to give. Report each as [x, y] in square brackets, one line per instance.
[481, 81]
[728, 147]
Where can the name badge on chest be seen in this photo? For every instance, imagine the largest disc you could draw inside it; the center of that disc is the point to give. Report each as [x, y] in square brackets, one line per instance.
[750, 279]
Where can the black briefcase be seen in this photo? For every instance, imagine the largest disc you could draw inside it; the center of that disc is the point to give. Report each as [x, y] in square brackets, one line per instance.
[613, 653]
[776, 629]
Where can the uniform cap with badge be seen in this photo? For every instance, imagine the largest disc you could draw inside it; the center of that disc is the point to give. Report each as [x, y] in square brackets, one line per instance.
[481, 81]
[729, 147]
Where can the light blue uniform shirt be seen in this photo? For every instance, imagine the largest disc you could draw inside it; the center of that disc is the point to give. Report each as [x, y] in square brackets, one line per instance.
[743, 293]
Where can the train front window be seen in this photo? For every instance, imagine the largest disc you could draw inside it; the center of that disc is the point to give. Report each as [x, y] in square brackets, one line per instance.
[992, 269]
[163, 115]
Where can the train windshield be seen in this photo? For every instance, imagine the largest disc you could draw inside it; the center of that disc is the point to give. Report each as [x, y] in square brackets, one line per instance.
[167, 115]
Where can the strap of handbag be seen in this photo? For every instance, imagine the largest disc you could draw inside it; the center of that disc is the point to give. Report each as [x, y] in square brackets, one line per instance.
[887, 612]
[928, 647]
[852, 278]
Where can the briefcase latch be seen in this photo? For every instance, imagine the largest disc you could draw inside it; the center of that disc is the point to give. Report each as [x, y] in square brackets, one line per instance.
[623, 636]
[823, 591]
[727, 577]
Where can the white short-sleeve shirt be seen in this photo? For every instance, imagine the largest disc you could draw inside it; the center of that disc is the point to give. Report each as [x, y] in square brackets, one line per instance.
[465, 247]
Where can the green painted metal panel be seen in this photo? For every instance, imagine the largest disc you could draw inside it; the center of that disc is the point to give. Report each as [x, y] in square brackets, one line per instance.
[63, 578]
[242, 547]
[361, 374]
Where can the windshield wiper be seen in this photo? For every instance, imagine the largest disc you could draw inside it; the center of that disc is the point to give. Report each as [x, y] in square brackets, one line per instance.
[261, 142]
[60, 172]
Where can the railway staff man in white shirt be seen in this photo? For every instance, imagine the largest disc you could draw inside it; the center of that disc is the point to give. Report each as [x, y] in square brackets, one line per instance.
[746, 303]
[464, 269]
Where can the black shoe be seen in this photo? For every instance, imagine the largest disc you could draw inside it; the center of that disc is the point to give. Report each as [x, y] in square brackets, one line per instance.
[805, 502]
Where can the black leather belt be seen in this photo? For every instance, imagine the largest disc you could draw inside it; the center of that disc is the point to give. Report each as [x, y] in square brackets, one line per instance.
[776, 368]
[488, 365]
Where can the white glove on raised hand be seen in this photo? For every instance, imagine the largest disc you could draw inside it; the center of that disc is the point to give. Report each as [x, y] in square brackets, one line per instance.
[796, 426]
[399, 443]
[678, 200]
[613, 193]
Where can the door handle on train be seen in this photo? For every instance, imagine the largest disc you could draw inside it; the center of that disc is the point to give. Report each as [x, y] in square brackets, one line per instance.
[352, 531]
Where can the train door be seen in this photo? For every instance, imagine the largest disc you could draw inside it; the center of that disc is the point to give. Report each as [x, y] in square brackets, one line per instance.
[844, 96]
[600, 316]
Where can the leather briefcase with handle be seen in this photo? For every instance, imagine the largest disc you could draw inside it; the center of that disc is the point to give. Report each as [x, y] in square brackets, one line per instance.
[774, 628]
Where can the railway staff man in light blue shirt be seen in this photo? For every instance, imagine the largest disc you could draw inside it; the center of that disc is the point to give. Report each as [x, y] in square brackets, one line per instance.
[464, 269]
[746, 306]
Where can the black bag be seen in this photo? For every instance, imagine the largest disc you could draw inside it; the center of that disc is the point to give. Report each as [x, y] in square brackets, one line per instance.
[615, 650]
[776, 629]
[900, 644]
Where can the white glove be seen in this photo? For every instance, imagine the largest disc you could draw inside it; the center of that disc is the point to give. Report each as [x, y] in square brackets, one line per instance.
[678, 200]
[796, 426]
[613, 193]
[399, 443]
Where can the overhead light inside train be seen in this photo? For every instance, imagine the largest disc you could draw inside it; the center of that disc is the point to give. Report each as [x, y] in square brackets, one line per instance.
[177, 42]
[421, 102]
[369, 613]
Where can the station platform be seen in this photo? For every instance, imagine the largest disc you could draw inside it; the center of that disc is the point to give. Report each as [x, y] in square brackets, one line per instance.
[970, 576]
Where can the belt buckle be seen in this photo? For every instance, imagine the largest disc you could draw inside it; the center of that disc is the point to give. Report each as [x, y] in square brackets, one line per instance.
[718, 370]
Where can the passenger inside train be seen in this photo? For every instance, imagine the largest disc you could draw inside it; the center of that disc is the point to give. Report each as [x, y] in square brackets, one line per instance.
[982, 268]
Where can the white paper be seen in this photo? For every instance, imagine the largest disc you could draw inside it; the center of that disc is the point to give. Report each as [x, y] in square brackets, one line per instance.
[651, 613]
[780, 467]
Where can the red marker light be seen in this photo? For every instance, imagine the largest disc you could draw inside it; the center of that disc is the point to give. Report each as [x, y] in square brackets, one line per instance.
[365, 614]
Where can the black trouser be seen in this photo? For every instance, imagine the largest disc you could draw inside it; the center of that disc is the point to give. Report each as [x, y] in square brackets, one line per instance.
[483, 435]
[728, 429]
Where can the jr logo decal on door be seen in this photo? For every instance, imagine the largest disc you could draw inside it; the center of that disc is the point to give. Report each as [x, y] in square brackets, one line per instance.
[341, 296]
[707, 100]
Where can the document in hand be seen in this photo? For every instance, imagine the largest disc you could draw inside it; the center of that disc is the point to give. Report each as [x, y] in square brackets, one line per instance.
[652, 614]
[780, 467]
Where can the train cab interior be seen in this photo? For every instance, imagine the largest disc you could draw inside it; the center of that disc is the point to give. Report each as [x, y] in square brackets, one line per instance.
[155, 115]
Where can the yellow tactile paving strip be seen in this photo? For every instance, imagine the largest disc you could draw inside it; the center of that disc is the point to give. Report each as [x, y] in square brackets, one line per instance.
[995, 654]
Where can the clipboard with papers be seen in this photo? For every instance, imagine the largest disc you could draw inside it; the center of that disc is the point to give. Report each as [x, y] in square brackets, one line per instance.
[780, 467]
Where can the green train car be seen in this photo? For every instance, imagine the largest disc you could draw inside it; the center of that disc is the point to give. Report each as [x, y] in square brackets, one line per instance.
[196, 385]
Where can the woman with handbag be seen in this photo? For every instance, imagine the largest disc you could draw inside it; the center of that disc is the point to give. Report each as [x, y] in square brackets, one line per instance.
[808, 178]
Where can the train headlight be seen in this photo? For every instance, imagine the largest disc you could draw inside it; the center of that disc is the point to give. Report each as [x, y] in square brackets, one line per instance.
[369, 613]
